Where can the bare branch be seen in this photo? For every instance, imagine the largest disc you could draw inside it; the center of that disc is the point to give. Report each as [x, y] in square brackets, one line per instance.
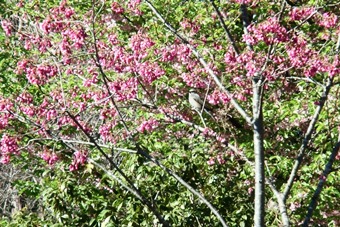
[116, 179]
[246, 22]
[224, 26]
[323, 177]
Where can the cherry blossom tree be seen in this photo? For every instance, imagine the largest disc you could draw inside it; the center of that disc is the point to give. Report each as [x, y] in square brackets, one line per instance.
[95, 94]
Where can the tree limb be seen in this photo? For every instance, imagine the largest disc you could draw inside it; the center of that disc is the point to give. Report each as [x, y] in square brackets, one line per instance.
[322, 180]
[306, 140]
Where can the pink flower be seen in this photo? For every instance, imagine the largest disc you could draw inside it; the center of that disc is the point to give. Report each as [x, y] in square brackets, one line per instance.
[124, 90]
[105, 131]
[46, 26]
[269, 32]
[6, 104]
[211, 161]
[294, 206]
[113, 39]
[148, 126]
[79, 158]
[133, 6]
[25, 97]
[250, 190]
[140, 44]
[299, 53]
[8, 146]
[116, 8]
[301, 13]
[328, 20]
[241, 97]
[192, 26]
[7, 26]
[5, 159]
[77, 36]
[217, 97]
[68, 12]
[209, 132]
[4, 118]
[220, 159]
[50, 158]
[40, 74]
[149, 71]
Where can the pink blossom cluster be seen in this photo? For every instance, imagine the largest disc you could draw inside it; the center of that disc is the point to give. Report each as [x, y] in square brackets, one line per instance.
[176, 53]
[190, 25]
[79, 158]
[50, 158]
[269, 32]
[107, 113]
[48, 26]
[124, 89]
[248, 63]
[218, 97]
[231, 60]
[294, 206]
[113, 39]
[193, 79]
[40, 74]
[65, 120]
[4, 118]
[105, 131]
[55, 21]
[77, 36]
[28, 110]
[133, 6]
[301, 56]
[208, 132]
[51, 114]
[117, 59]
[8, 146]
[140, 44]
[7, 27]
[301, 13]
[149, 71]
[148, 126]
[327, 20]
[116, 8]
[37, 75]
[219, 158]
[25, 97]
[41, 43]
[63, 10]
[169, 53]
[92, 71]
[6, 105]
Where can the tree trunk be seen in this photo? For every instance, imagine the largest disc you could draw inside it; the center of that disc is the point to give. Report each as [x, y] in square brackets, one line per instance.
[259, 153]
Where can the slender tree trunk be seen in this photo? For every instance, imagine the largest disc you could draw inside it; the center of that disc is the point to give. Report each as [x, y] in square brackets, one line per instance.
[259, 153]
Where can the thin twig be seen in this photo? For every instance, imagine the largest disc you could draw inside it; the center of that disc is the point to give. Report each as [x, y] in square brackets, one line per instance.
[141, 150]
[224, 26]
